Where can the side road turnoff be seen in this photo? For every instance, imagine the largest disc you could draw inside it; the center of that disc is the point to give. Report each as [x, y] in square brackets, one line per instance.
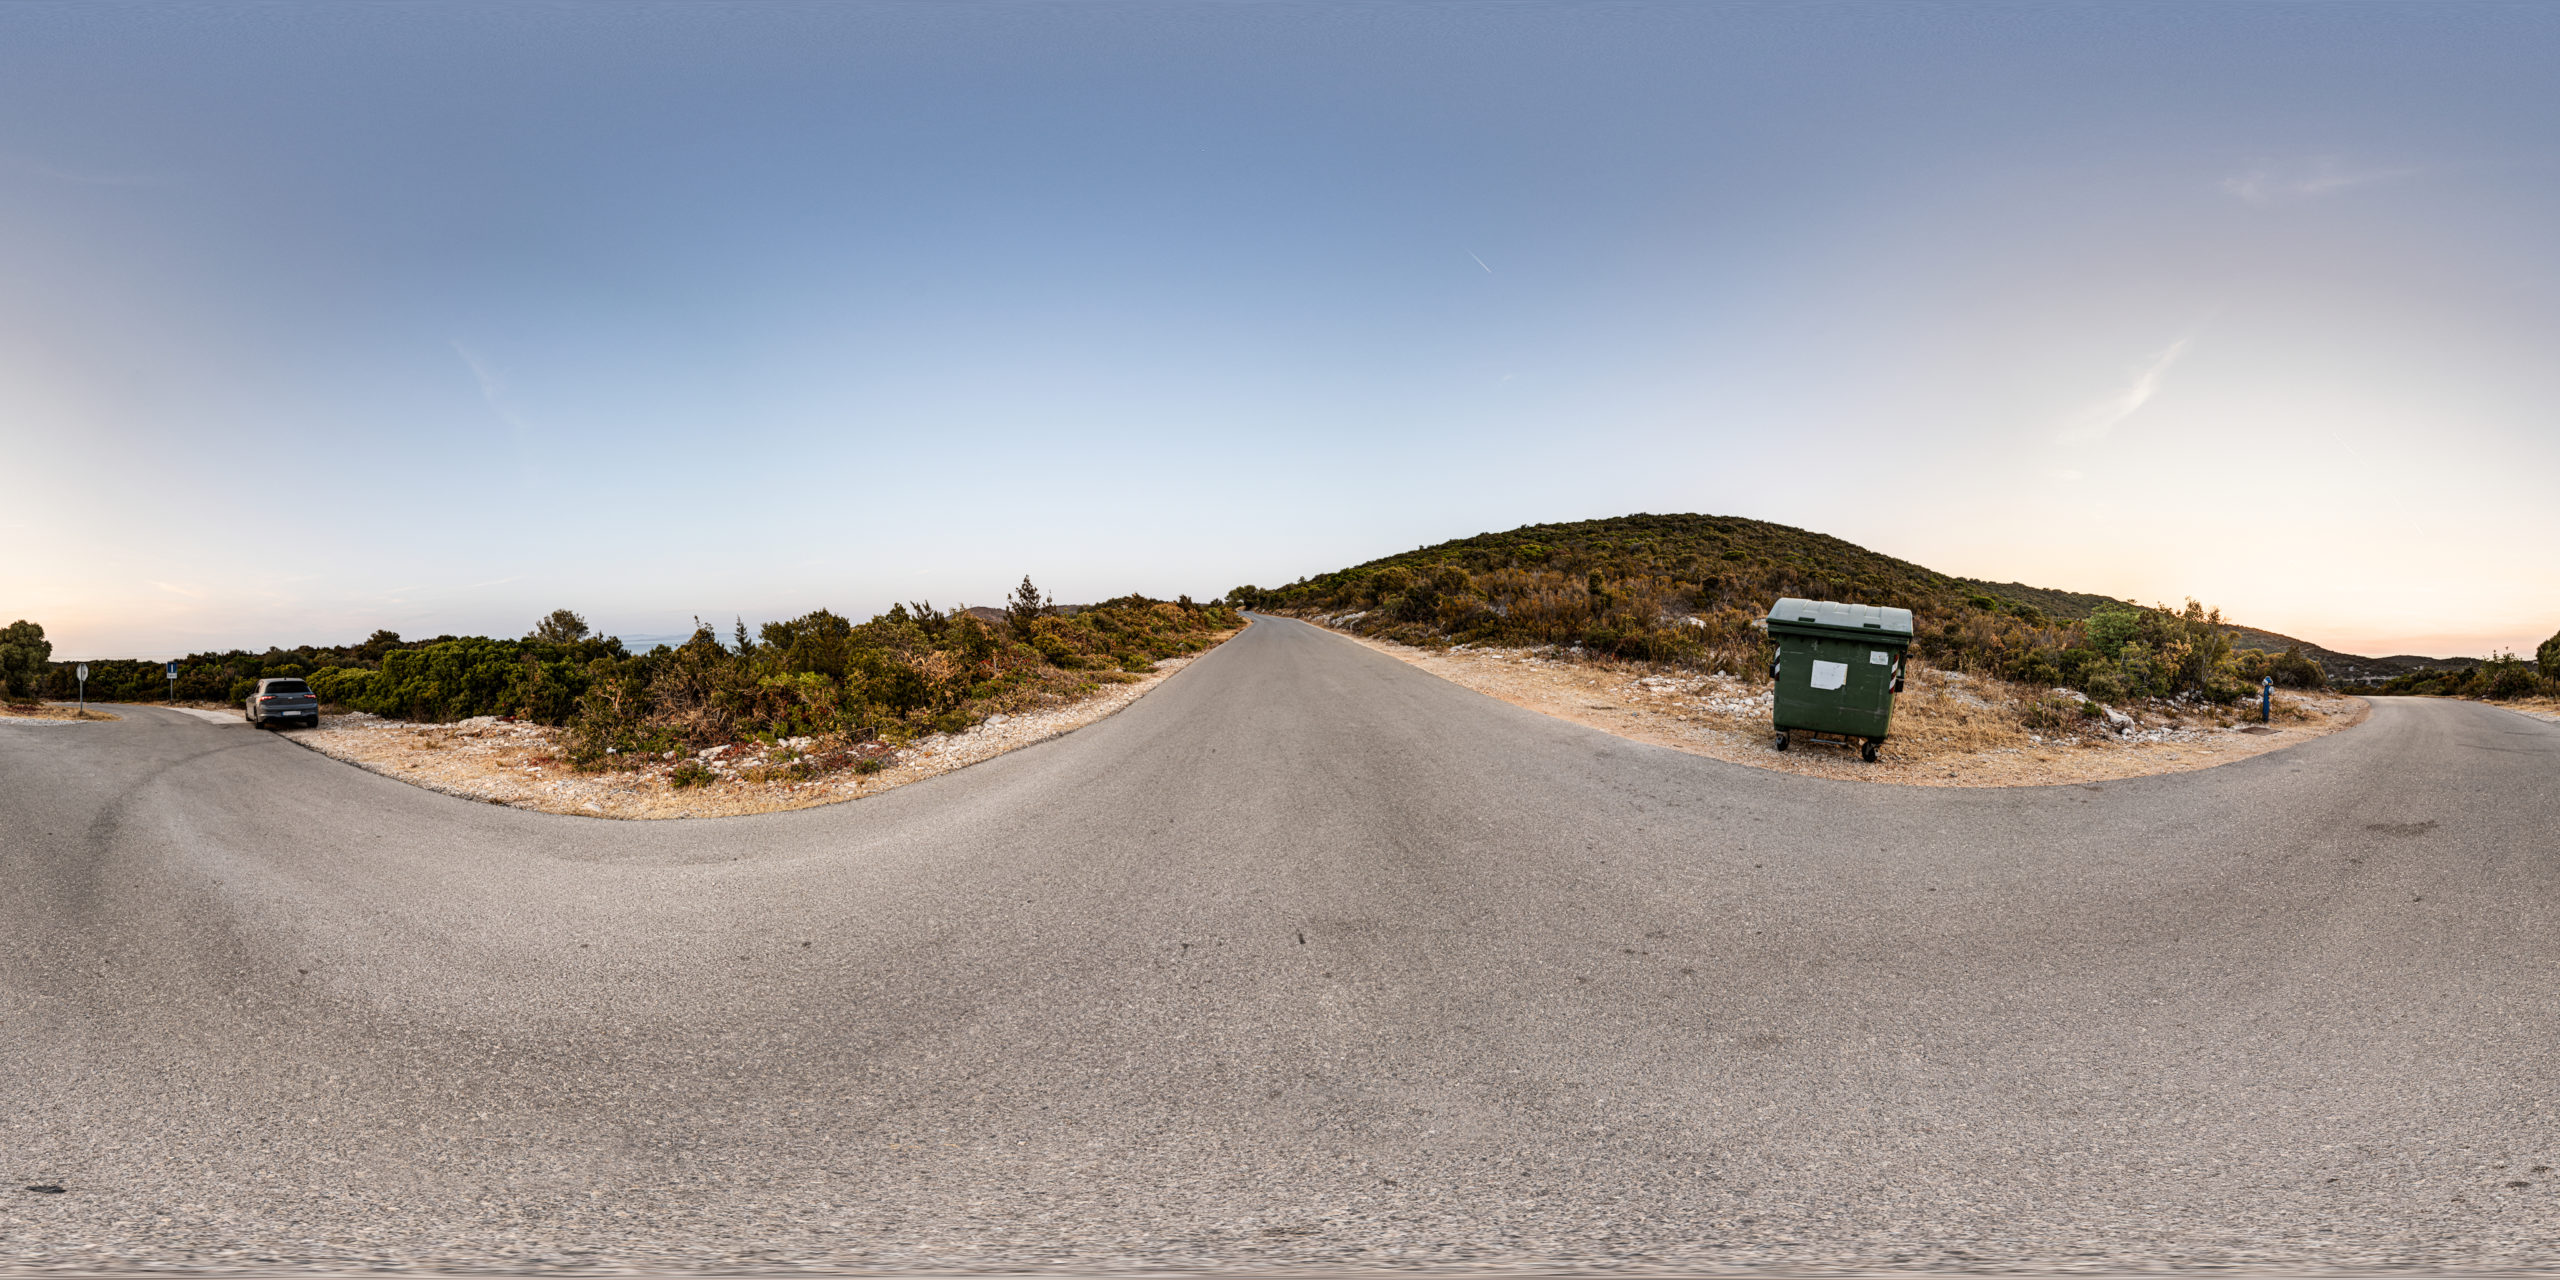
[1306, 958]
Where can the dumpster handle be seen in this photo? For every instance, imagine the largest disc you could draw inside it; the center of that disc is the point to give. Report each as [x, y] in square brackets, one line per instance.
[1904, 660]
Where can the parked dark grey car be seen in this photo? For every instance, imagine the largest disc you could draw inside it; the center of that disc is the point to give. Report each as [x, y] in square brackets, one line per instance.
[282, 699]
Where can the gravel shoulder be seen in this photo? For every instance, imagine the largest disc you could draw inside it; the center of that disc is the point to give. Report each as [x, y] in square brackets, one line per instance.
[525, 765]
[1950, 730]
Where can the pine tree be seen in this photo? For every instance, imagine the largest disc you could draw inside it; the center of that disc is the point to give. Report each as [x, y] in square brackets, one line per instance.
[1026, 607]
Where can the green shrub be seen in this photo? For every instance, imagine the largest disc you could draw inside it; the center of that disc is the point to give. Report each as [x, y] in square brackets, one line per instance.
[476, 676]
[2504, 677]
[2291, 669]
[2033, 667]
[342, 686]
[23, 654]
[2548, 658]
[2104, 684]
[450, 681]
[2111, 626]
[692, 773]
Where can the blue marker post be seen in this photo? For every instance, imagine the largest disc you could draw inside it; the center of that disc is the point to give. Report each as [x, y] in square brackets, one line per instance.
[2266, 699]
[173, 683]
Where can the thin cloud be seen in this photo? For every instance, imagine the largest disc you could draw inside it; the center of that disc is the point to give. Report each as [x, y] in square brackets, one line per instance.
[2093, 424]
[2271, 186]
[493, 389]
[1480, 262]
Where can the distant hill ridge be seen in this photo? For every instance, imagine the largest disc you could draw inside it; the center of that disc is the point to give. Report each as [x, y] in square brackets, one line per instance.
[2345, 668]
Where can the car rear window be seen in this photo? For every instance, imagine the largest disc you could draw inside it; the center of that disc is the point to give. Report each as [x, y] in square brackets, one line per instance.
[287, 686]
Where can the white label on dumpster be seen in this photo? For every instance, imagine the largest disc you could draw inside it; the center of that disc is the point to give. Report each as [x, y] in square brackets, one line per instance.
[1829, 675]
[1878, 658]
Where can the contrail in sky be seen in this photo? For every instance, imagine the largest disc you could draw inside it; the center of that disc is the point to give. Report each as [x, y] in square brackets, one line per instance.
[1480, 262]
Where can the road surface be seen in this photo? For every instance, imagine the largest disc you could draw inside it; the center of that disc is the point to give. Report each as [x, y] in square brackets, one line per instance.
[1305, 959]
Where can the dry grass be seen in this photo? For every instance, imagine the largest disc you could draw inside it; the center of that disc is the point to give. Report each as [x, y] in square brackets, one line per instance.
[52, 711]
[2538, 708]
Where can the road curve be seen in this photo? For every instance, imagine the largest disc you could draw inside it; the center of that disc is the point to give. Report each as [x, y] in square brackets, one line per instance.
[1306, 958]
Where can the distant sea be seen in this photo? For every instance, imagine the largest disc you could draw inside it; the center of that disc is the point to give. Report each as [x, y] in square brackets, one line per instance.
[644, 643]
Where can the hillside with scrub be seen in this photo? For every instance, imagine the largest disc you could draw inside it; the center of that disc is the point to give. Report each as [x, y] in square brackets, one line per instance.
[1690, 590]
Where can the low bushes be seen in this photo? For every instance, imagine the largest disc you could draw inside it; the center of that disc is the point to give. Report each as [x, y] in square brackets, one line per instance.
[2503, 677]
[455, 679]
[222, 677]
[913, 670]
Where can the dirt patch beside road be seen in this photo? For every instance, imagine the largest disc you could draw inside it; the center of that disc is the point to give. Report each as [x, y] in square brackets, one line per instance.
[2538, 708]
[525, 765]
[1950, 730]
[52, 711]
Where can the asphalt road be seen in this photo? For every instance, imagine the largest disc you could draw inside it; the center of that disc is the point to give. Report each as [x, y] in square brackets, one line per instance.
[1306, 958]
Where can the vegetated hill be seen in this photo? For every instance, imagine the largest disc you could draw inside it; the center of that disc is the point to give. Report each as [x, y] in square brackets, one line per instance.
[2347, 668]
[1690, 589]
[1725, 556]
[2342, 668]
[2071, 606]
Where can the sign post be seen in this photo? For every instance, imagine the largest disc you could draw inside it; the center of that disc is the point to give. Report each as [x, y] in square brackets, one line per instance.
[2266, 699]
[84, 689]
[173, 682]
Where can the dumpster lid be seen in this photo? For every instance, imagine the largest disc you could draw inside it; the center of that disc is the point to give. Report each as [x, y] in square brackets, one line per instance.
[1830, 618]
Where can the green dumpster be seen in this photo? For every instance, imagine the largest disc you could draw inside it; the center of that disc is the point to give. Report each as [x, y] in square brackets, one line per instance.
[1838, 667]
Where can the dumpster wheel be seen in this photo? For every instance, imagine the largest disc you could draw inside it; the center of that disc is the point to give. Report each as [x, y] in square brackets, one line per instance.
[1868, 748]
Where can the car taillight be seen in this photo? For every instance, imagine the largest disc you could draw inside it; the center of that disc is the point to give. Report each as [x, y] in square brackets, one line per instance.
[266, 697]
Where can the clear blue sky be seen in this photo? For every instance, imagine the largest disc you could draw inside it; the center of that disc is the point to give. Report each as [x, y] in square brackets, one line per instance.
[317, 319]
